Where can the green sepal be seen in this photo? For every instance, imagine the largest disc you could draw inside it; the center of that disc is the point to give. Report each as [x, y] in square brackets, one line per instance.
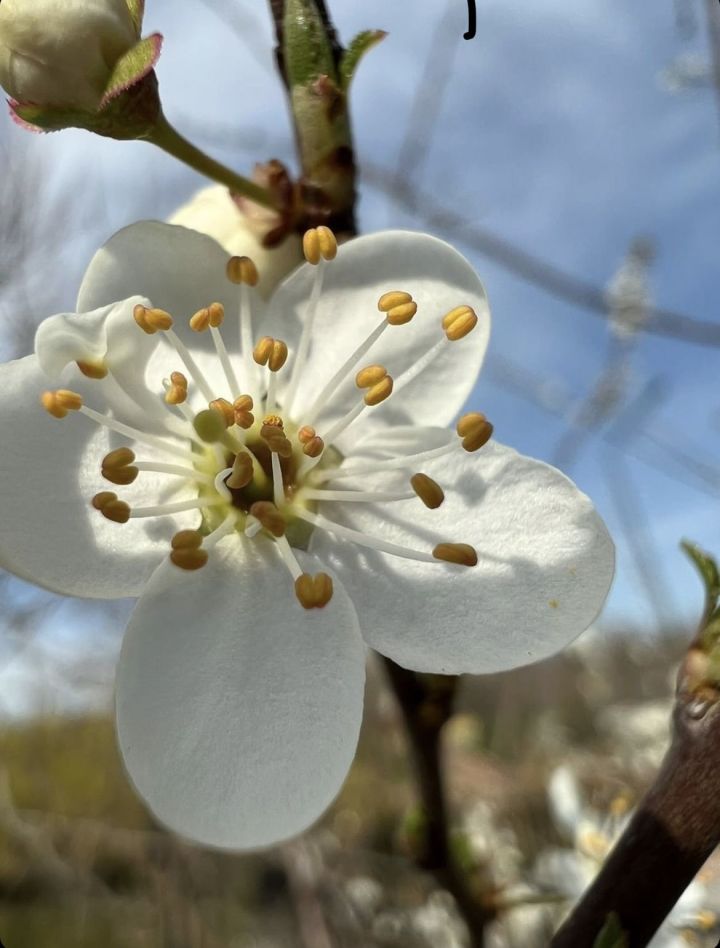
[307, 50]
[360, 45]
[612, 935]
[707, 567]
[137, 11]
[133, 66]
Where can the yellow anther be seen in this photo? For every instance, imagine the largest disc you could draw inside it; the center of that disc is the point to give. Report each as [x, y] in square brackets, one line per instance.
[620, 805]
[273, 421]
[152, 320]
[139, 316]
[379, 392]
[313, 592]
[370, 375]
[428, 490]
[399, 315]
[271, 352]
[225, 409]
[319, 242]
[93, 370]
[459, 322]
[210, 425]
[314, 447]
[242, 471]
[117, 467]
[187, 552]
[328, 243]
[110, 507]
[475, 430]
[60, 402]
[242, 270]
[706, 920]
[212, 315]
[242, 406]
[392, 299]
[269, 516]
[305, 434]
[178, 391]
[275, 439]
[461, 553]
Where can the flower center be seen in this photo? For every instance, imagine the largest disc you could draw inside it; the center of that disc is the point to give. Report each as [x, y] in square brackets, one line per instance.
[252, 466]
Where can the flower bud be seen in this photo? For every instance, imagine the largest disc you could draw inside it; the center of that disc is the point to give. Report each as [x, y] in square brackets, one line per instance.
[242, 233]
[62, 53]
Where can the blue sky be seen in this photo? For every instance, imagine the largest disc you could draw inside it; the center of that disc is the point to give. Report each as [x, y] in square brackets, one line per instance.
[555, 132]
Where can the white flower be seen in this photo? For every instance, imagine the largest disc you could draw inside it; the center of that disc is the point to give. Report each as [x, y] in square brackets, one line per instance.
[238, 709]
[62, 52]
[212, 211]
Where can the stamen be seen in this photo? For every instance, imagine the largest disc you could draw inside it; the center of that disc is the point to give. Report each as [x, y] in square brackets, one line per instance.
[269, 516]
[420, 365]
[179, 506]
[428, 490]
[370, 375]
[228, 525]
[175, 469]
[363, 539]
[278, 486]
[252, 527]
[276, 440]
[459, 322]
[117, 468]
[344, 371]
[475, 430]
[177, 392]
[152, 320]
[357, 496]
[223, 406]
[314, 447]
[374, 396]
[289, 557]
[387, 464]
[319, 246]
[187, 552]
[399, 308]
[127, 431]
[461, 553]
[110, 507]
[306, 434]
[241, 472]
[93, 370]
[243, 273]
[60, 402]
[211, 317]
[273, 353]
[242, 407]
[313, 592]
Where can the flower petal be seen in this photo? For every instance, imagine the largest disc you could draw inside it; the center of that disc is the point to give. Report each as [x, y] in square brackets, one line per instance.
[545, 563]
[439, 279]
[178, 269]
[49, 470]
[238, 711]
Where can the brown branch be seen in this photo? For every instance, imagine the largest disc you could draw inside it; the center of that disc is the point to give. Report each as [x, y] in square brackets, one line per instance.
[426, 703]
[673, 832]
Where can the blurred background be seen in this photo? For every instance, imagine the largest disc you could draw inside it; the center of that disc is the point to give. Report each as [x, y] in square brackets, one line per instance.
[572, 151]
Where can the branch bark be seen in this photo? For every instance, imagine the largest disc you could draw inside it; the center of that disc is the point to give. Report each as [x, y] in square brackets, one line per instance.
[426, 703]
[673, 832]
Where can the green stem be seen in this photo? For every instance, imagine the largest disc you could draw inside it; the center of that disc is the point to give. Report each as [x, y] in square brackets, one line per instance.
[166, 137]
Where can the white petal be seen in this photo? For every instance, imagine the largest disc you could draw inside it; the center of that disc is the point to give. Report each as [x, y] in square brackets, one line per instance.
[545, 565]
[238, 711]
[439, 279]
[49, 471]
[180, 271]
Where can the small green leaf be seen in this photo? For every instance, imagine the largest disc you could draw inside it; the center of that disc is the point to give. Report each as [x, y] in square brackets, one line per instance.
[308, 51]
[133, 66]
[362, 44]
[137, 11]
[612, 935]
[708, 569]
